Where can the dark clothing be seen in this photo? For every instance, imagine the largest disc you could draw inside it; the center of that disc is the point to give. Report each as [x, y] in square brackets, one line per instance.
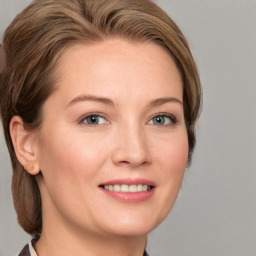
[25, 251]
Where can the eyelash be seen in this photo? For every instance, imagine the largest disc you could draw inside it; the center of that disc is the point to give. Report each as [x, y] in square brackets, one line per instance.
[97, 115]
[172, 119]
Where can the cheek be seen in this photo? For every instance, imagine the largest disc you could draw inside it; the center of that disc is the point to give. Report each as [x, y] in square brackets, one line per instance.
[69, 167]
[174, 154]
[173, 160]
[70, 157]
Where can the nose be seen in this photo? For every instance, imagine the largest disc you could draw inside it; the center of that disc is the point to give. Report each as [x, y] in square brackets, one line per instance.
[131, 148]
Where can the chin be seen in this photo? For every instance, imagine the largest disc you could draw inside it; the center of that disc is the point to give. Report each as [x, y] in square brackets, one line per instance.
[134, 225]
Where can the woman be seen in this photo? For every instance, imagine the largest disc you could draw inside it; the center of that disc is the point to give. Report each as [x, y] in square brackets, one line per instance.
[99, 101]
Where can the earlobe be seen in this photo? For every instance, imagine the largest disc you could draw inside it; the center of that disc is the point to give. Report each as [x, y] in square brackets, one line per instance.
[31, 167]
[24, 143]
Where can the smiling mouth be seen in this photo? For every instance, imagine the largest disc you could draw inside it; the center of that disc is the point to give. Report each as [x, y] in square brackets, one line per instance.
[127, 188]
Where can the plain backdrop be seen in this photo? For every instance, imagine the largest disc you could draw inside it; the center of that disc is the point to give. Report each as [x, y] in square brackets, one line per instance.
[216, 209]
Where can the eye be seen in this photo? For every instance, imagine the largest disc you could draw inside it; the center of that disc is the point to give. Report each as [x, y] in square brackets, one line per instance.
[163, 119]
[94, 120]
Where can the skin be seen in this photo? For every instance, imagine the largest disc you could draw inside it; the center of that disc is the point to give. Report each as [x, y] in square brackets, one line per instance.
[74, 158]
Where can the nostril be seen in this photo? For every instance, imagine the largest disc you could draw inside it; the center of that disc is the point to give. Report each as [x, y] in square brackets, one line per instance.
[134, 163]
[124, 162]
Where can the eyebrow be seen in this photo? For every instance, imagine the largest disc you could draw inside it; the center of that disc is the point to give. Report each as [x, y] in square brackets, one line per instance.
[82, 98]
[162, 101]
[107, 101]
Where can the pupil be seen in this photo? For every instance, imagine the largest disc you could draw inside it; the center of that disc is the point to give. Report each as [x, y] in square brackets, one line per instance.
[93, 119]
[159, 120]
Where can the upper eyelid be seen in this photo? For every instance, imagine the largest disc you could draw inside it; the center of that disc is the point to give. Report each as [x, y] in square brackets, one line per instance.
[163, 114]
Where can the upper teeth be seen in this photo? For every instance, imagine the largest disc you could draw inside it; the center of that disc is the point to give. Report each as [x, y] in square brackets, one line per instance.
[127, 188]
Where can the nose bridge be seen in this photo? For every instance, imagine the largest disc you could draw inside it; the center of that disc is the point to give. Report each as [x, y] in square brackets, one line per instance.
[132, 147]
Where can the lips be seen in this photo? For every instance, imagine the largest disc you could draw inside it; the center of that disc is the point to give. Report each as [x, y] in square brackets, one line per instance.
[129, 190]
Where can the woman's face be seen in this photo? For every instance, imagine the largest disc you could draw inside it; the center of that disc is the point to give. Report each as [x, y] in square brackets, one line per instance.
[113, 145]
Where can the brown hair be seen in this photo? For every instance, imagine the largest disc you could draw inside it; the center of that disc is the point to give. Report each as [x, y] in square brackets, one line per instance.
[34, 42]
[2, 59]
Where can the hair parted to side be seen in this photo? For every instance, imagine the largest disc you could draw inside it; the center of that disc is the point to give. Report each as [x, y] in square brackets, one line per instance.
[35, 40]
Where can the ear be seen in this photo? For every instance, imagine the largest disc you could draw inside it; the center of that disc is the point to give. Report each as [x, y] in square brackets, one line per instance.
[25, 144]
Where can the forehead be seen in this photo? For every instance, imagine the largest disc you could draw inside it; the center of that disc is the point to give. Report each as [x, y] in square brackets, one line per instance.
[113, 66]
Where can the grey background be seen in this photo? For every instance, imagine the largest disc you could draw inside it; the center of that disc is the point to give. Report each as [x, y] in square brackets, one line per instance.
[216, 208]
